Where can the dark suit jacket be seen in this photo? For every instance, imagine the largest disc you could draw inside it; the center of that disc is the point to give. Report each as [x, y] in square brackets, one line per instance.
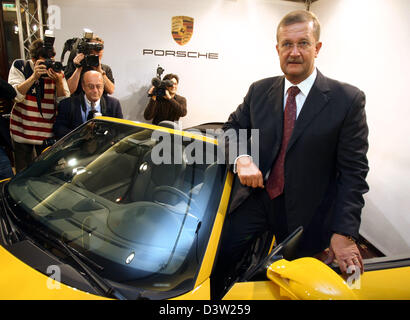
[325, 162]
[68, 117]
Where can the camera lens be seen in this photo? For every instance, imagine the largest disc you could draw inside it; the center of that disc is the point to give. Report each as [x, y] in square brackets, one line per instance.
[57, 66]
[92, 60]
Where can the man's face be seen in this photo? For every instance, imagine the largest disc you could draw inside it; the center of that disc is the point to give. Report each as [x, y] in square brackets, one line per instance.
[297, 49]
[174, 88]
[93, 86]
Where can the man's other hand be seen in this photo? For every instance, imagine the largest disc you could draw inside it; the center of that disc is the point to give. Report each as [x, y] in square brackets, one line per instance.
[346, 253]
[78, 58]
[56, 76]
[167, 95]
[150, 91]
[99, 68]
[248, 173]
[39, 69]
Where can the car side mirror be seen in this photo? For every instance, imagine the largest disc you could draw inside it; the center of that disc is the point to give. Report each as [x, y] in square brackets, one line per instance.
[285, 249]
[309, 279]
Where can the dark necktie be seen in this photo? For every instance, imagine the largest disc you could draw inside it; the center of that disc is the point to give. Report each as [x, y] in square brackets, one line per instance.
[92, 111]
[276, 179]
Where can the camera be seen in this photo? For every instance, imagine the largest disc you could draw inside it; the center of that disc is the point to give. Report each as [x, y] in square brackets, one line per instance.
[91, 60]
[48, 45]
[160, 85]
[55, 65]
[85, 46]
[48, 53]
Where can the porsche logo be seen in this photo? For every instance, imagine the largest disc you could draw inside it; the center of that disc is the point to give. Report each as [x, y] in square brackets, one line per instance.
[182, 29]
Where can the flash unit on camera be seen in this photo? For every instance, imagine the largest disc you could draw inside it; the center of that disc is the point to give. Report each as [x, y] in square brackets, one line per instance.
[49, 33]
[88, 34]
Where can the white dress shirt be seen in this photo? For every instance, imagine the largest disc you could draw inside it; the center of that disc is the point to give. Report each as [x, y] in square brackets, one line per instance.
[88, 108]
[304, 88]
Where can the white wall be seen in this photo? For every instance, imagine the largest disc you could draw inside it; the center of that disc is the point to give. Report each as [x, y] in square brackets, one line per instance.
[365, 43]
[240, 31]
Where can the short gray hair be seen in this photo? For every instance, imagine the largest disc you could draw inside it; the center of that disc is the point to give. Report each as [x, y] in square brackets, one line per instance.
[297, 17]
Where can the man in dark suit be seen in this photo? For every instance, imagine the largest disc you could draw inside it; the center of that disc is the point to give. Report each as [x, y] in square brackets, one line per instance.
[312, 155]
[74, 111]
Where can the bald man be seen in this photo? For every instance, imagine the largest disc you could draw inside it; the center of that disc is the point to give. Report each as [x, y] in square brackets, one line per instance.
[74, 111]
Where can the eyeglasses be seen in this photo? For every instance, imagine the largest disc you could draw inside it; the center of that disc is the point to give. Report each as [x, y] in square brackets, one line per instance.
[301, 45]
[92, 86]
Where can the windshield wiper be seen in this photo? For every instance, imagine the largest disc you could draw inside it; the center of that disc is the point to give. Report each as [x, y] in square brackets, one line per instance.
[12, 234]
[105, 287]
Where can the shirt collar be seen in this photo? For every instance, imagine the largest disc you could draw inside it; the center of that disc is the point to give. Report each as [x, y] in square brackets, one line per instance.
[88, 102]
[305, 85]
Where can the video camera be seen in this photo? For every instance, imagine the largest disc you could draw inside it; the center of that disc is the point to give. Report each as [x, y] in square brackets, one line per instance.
[85, 46]
[160, 85]
[48, 52]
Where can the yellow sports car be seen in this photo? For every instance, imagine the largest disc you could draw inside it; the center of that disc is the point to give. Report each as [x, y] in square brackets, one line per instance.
[125, 210]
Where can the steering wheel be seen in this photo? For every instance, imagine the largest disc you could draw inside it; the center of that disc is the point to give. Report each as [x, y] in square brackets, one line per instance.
[174, 191]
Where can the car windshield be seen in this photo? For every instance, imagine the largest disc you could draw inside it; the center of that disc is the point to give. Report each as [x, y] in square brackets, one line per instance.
[137, 202]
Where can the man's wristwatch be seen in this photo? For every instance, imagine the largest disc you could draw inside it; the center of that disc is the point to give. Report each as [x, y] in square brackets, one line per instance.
[351, 239]
[348, 237]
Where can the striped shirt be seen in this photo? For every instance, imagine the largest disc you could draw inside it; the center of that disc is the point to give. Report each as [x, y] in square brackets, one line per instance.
[27, 124]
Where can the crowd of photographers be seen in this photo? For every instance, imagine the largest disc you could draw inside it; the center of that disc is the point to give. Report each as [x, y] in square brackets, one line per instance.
[50, 99]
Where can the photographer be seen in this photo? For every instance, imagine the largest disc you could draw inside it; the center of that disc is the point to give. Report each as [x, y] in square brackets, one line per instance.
[81, 66]
[169, 106]
[39, 84]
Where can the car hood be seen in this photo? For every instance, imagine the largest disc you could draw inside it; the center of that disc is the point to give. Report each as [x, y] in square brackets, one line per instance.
[19, 281]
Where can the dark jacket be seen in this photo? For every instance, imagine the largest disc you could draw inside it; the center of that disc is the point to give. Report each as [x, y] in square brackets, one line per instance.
[325, 161]
[69, 114]
[163, 109]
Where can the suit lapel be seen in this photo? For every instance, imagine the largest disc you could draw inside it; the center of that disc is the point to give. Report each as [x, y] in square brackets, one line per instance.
[82, 103]
[316, 100]
[103, 106]
[275, 103]
[271, 123]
